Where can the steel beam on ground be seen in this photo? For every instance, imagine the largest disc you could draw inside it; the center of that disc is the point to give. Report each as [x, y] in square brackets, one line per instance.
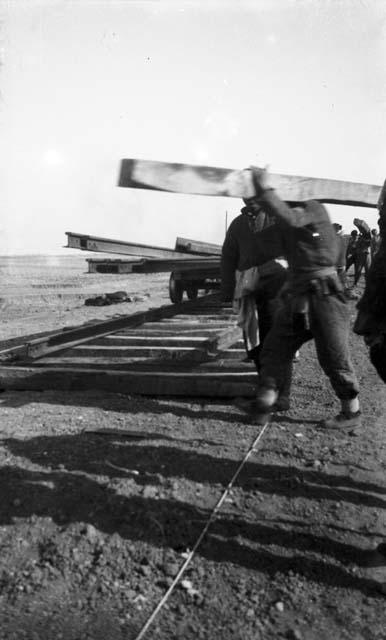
[197, 247]
[206, 266]
[100, 265]
[107, 245]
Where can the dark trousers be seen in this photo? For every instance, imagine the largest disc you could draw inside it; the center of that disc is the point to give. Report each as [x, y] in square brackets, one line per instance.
[360, 261]
[350, 261]
[328, 325]
[265, 311]
[363, 261]
[267, 304]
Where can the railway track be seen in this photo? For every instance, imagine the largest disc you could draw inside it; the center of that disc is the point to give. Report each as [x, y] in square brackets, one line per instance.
[192, 348]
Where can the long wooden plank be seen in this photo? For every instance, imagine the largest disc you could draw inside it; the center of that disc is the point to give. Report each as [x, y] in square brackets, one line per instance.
[154, 341]
[120, 340]
[155, 359]
[202, 384]
[210, 313]
[144, 352]
[215, 181]
[203, 319]
[168, 332]
[178, 325]
[194, 364]
[207, 347]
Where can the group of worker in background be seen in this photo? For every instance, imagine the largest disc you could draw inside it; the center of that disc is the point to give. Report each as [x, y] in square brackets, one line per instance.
[361, 249]
[284, 267]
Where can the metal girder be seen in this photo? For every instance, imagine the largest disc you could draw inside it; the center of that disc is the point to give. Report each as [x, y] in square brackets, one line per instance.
[204, 265]
[107, 245]
[197, 247]
[206, 268]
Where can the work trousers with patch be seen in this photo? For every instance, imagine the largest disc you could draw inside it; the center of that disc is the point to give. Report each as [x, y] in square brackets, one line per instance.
[327, 322]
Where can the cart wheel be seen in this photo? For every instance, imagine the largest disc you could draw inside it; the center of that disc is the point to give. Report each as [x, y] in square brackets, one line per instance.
[192, 291]
[176, 289]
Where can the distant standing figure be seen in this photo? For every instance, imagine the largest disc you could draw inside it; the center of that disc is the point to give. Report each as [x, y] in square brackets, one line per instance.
[351, 249]
[341, 260]
[363, 256]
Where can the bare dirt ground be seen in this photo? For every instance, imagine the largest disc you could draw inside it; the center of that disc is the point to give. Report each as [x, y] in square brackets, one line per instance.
[93, 528]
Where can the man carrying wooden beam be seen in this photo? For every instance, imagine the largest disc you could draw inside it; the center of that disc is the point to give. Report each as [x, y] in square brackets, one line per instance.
[313, 305]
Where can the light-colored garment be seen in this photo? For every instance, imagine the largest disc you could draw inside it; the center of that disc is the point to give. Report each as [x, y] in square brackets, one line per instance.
[244, 299]
[244, 305]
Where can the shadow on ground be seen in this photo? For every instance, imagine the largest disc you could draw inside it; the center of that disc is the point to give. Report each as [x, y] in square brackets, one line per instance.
[66, 491]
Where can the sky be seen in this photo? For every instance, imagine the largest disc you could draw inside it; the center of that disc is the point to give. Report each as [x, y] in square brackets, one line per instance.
[298, 85]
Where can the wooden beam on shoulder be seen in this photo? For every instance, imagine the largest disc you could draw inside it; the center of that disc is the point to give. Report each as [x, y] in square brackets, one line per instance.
[237, 183]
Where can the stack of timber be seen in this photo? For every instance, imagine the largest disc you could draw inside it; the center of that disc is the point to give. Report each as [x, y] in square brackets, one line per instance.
[189, 349]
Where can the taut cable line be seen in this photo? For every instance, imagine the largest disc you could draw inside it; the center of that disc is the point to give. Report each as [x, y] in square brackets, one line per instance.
[212, 516]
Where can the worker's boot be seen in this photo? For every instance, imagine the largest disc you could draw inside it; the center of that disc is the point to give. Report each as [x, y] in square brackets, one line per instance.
[282, 404]
[349, 418]
[252, 406]
[343, 421]
[266, 399]
[283, 401]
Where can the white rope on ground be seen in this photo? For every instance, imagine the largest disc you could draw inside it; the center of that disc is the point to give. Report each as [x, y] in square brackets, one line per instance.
[202, 534]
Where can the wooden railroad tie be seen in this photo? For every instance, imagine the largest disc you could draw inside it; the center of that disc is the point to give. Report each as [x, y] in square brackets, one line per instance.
[193, 348]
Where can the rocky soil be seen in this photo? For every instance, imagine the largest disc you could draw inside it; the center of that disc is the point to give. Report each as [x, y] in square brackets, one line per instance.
[94, 527]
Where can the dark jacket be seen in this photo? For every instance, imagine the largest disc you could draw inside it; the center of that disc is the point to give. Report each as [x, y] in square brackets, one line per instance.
[364, 240]
[309, 239]
[245, 246]
[351, 247]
